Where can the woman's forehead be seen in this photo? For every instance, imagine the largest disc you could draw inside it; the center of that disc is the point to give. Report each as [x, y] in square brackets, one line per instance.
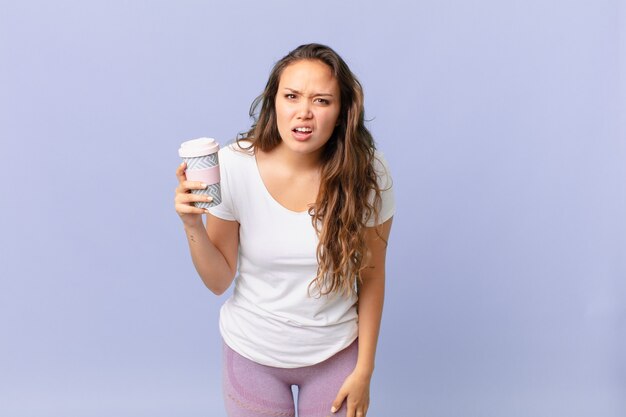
[307, 75]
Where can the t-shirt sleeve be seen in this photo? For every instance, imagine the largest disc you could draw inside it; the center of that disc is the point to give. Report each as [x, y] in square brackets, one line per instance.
[226, 209]
[385, 182]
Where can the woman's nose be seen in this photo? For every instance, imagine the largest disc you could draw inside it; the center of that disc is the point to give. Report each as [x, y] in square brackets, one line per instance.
[304, 110]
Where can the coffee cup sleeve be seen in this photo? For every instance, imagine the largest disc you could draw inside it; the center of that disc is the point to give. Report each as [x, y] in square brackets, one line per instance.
[207, 175]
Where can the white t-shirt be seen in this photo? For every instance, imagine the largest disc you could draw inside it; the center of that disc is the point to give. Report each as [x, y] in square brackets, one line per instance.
[270, 318]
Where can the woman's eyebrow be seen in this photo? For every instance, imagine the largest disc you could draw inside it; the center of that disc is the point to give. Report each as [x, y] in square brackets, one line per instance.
[312, 95]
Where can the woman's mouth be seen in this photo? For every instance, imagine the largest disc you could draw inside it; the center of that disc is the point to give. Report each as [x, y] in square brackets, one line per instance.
[301, 133]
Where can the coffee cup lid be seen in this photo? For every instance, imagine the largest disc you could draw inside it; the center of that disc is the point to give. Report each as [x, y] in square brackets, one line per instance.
[198, 147]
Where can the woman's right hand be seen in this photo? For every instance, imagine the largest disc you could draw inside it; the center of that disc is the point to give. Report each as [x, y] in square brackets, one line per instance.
[184, 199]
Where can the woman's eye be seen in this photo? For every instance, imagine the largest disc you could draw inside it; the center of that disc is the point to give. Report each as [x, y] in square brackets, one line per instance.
[322, 101]
[290, 96]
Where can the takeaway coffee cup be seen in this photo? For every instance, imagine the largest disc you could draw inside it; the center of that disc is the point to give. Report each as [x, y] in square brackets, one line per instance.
[203, 165]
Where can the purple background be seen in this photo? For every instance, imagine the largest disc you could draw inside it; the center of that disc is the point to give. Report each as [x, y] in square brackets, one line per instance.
[503, 123]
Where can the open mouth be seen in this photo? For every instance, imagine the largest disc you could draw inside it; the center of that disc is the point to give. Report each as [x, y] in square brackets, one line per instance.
[302, 133]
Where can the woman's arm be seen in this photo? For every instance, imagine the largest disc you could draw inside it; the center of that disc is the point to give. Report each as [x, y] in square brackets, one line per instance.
[214, 248]
[214, 251]
[371, 296]
[355, 389]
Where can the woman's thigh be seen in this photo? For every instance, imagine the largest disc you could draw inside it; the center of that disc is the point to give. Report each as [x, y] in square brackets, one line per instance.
[318, 388]
[254, 390]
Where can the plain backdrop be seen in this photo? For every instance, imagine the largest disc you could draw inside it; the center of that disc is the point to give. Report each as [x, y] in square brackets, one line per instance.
[504, 126]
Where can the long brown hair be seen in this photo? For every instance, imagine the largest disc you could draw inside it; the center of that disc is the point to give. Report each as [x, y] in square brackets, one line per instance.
[349, 194]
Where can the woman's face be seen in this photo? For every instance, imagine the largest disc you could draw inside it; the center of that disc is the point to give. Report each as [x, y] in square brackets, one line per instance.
[307, 106]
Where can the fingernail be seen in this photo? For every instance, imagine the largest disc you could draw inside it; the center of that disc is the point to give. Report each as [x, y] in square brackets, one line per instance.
[203, 185]
[206, 211]
[209, 198]
[333, 409]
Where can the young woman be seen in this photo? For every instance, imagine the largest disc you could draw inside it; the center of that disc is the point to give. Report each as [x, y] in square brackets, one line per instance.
[304, 221]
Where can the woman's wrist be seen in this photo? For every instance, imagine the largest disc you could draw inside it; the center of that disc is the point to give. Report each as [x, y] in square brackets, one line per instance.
[194, 225]
[364, 370]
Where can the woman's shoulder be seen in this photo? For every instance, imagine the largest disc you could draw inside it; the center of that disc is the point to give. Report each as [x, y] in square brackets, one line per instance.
[381, 168]
[237, 149]
[380, 164]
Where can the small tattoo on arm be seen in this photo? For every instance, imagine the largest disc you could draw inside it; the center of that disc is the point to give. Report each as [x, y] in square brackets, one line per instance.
[192, 238]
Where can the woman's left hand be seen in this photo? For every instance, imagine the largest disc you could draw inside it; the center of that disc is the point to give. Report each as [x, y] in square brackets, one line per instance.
[356, 392]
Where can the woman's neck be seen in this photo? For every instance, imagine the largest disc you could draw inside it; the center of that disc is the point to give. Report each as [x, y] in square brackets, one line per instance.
[294, 161]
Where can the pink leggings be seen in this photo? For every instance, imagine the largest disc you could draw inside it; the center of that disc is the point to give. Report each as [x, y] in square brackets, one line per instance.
[254, 390]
